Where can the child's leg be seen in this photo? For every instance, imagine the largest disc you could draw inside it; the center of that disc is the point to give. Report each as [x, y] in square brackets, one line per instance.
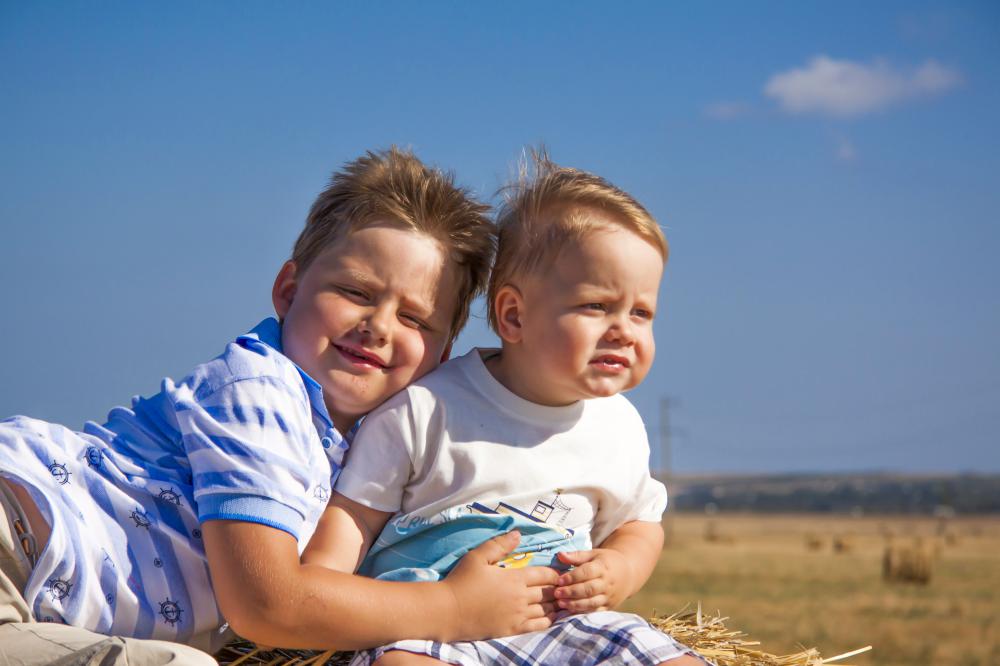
[48, 643]
[686, 660]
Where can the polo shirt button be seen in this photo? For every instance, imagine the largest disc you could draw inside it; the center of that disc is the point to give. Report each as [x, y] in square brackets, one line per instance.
[327, 442]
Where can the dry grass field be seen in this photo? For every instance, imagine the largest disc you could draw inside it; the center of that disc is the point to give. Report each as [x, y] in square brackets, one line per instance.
[782, 580]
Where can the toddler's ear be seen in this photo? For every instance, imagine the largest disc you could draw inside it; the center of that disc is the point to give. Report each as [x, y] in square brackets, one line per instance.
[509, 305]
[283, 291]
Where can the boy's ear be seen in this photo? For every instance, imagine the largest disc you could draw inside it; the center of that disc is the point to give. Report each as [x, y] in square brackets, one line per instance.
[509, 307]
[283, 291]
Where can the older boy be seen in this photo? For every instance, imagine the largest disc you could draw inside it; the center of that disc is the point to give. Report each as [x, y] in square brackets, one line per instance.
[191, 509]
[534, 436]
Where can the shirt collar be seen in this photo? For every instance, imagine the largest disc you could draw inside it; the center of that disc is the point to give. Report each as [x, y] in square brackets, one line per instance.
[268, 334]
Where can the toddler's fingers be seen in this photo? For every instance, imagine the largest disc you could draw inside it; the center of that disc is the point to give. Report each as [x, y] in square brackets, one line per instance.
[584, 572]
[576, 557]
[585, 590]
[600, 602]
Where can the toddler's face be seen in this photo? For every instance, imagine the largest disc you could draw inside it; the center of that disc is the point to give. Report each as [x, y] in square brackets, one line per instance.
[369, 315]
[587, 324]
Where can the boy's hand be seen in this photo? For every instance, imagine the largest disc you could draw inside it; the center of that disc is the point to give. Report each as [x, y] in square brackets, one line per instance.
[601, 579]
[490, 601]
[608, 575]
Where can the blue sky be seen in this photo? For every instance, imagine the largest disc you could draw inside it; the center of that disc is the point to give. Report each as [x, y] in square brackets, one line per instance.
[827, 174]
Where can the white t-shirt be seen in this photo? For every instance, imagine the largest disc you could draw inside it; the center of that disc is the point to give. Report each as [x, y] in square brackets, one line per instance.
[457, 448]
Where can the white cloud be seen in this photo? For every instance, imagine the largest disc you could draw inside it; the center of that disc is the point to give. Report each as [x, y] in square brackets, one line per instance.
[845, 88]
[726, 110]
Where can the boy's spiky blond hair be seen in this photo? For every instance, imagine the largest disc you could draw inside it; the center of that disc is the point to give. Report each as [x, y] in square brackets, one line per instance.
[393, 186]
[545, 207]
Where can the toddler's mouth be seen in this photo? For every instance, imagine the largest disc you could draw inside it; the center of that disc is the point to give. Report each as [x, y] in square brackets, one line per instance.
[611, 362]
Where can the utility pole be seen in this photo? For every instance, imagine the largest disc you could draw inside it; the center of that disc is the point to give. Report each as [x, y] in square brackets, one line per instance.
[665, 462]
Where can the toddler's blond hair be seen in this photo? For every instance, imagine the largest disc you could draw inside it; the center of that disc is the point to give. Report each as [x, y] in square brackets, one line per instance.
[545, 207]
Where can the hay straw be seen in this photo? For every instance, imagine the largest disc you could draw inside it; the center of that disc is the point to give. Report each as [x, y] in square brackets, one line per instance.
[705, 634]
[245, 653]
[709, 637]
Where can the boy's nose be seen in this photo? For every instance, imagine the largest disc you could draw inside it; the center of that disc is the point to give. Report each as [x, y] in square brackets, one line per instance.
[375, 326]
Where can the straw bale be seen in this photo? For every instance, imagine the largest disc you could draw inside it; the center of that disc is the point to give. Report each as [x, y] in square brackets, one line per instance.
[713, 535]
[843, 543]
[907, 563]
[706, 634]
[813, 542]
[709, 637]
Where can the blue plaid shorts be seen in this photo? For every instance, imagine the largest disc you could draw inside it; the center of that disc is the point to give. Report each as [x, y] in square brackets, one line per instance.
[603, 637]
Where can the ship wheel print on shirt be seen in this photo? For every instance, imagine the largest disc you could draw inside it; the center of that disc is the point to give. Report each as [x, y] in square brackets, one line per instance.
[59, 588]
[94, 457]
[140, 517]
[170, 496]
[170, 611]
[59, 473]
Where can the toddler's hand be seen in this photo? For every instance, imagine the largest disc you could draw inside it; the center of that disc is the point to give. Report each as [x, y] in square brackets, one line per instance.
[491, 601]
[599, 581]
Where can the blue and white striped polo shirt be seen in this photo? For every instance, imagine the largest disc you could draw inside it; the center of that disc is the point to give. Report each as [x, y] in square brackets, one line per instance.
[245, 436]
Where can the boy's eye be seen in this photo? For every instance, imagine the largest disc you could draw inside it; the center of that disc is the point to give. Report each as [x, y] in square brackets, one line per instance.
[352, 292]
[597, 307]
[642, 314]
[413, 322]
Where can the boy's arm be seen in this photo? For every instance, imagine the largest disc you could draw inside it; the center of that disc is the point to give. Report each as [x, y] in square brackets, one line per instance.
[269, 597]
[617, 569]
[344, 534]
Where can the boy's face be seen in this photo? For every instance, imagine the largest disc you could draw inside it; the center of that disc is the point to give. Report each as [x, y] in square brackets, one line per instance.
[369, 315]
[586, 325]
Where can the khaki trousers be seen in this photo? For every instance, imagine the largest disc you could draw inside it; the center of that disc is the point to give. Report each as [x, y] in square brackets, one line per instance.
[25, 642]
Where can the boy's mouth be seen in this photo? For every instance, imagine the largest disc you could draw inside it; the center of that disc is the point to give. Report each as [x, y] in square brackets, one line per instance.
[611, 362]
[360, 357]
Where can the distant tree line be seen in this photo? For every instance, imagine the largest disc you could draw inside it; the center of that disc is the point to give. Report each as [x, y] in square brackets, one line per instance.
[843, 493]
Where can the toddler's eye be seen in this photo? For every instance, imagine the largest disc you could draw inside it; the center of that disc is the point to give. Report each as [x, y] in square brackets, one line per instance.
[597, 307]
[642, 314]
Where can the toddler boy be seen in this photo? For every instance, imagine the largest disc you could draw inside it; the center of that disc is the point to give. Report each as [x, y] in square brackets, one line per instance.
[190, 510]
[533, 436]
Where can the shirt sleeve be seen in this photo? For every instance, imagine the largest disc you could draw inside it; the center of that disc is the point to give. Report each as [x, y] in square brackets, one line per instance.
[250, 444]
[379, 463]
[640, 497]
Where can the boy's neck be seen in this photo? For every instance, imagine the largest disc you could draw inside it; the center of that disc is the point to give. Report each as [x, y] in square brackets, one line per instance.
[507, 368]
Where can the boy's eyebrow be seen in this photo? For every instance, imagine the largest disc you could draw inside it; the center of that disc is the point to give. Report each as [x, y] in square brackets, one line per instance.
[360, 276]
[420, 305]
